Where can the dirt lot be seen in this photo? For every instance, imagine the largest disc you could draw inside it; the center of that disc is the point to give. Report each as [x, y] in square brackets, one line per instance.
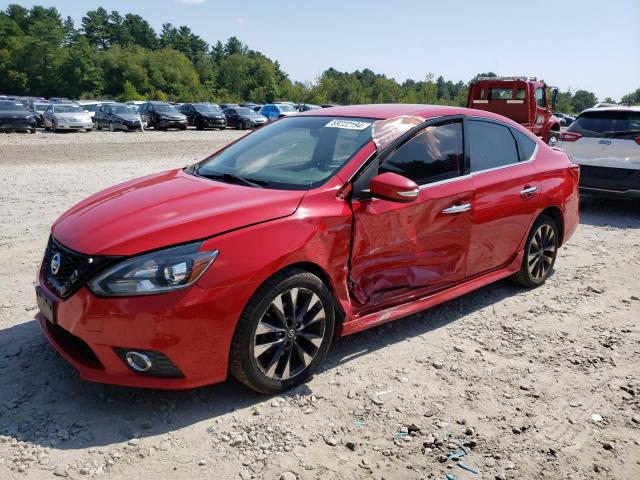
[532, 384]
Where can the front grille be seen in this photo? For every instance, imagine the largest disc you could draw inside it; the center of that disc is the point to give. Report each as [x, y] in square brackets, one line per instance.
[162, 366]
[74, 269]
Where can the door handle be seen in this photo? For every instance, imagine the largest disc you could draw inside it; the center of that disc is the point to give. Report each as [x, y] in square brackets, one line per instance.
[528, 191]
[457, 208]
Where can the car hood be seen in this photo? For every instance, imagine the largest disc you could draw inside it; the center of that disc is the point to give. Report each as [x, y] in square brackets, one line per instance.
[129, 117]
[166, 209]
[15, 114]
[173, 116]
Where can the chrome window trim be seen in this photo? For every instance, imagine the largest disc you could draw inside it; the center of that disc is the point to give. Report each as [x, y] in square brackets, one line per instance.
[461, 177]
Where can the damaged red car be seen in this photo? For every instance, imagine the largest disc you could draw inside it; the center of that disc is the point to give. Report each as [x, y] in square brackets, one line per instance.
[319, 225]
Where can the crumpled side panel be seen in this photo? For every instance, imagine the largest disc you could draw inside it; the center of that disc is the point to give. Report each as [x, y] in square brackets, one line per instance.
[384, 132]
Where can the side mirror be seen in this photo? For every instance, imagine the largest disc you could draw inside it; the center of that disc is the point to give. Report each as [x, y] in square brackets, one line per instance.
[394, 187]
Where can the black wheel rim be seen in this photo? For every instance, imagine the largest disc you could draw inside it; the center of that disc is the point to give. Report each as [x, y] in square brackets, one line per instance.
[542, 252]
[289, 334]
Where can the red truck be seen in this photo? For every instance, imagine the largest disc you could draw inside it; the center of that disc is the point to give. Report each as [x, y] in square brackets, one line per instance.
[521, 99]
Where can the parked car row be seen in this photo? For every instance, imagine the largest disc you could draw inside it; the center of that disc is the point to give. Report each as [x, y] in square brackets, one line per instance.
[59, 113]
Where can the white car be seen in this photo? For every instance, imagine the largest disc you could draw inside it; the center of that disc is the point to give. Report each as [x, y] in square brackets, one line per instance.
[605, 142]
[66, 116]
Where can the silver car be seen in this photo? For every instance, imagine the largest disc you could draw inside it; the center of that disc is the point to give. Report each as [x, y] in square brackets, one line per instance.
[605, 142]
[66, 116]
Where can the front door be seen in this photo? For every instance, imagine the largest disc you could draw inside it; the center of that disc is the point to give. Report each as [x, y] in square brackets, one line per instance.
[402, 249]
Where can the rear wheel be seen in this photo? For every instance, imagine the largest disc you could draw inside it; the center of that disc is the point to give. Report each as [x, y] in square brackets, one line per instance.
[554, 136]
[540, 253]
[53, 126]
[283, 333]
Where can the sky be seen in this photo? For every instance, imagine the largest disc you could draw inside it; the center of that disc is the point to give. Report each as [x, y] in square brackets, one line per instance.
[577, 44]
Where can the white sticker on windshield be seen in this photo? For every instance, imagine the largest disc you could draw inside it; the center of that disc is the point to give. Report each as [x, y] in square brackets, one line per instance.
[347, 124]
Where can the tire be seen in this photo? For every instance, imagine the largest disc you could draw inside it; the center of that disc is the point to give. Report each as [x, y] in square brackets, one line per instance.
[199, 125]
[111, 129]
[53, 127]
[32, 131]
[183, 127]
[537, 265]
[98, 127]
[288, 355]
[554, 136]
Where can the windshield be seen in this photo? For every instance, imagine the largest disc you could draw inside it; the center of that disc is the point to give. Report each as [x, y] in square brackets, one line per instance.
[126, 110]
[165, 108]
[286, 108]
[245, 111]
[12, 107]
[91, 107]
[67, 109]
[207, 108]
[298, 153]
[603, 124]
[40, 107]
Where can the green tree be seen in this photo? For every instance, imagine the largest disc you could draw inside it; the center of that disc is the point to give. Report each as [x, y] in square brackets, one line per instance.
[95, 25]
[582, 100]
[140, 32]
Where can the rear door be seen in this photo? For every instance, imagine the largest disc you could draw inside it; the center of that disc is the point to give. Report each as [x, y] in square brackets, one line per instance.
[507, 192]
[401, 248]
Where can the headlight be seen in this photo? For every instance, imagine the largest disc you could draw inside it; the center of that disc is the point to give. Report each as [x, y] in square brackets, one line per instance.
[156, 272]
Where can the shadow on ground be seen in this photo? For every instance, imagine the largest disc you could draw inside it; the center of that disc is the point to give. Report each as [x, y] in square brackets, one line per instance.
[613, 212]
[42, 399]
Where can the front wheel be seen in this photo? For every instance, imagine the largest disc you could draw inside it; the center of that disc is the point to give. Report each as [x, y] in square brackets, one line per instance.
[540, 253]
[553, 139]
[283, 333]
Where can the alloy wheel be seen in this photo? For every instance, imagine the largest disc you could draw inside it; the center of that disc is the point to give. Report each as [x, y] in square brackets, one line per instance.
[542, 252]
[289, 334]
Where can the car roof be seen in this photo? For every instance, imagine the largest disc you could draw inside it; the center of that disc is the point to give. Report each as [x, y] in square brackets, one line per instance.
[618, 108]
[385, 111]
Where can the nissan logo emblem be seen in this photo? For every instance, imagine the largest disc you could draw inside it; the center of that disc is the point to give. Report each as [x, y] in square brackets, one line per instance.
[55, 264]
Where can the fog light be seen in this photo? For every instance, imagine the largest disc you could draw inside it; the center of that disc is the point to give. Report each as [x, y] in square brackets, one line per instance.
[138, 361]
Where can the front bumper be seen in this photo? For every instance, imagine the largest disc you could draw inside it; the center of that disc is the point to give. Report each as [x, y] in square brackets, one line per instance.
[16, 125]
[193, 328]
[164, 123]
[128, 126]
[212, 122]
[74, 126]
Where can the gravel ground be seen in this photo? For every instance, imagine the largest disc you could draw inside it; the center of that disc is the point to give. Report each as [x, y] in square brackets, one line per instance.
[526, 384]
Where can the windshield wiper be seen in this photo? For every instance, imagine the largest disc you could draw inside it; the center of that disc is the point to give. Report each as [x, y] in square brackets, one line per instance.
[619, 133]
[231, 178]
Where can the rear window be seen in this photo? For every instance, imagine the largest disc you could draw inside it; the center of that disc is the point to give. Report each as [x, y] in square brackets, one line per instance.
[607, 124]
[526, 146]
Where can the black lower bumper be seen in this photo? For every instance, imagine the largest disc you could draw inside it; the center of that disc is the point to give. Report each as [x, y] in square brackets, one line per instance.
[618, 182]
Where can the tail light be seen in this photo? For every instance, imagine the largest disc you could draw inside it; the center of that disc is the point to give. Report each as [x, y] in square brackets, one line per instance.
[638, 140]
[569, 136]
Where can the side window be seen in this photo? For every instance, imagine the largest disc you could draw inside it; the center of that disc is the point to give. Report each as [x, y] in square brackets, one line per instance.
[540, 100]
[434, 154]
[490, 145]
[526, 146]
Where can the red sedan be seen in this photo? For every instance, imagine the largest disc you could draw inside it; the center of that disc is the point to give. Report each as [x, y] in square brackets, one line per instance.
[320, 224]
